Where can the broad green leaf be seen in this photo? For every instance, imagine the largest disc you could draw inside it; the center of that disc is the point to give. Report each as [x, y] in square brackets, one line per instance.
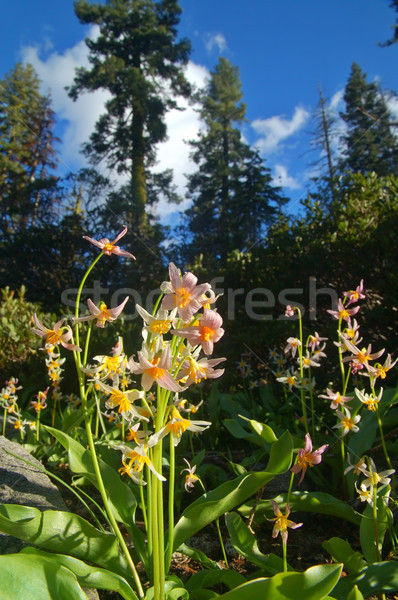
[355, 594]
[233, 493]
[63, 532]
[199, 556]
[318, 502]
[246, 544]
[33, 577]
[120, 495]
[173, 591]
[206, 579]
[87, 575]
[342, 552]
[262, 429]
[367, 529]
[375, 579]
[314, 584]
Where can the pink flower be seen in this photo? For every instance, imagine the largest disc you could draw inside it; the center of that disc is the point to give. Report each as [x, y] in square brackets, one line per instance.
[282, 522]
[108, 247]
[183, 293]
[355, 295]
[102, 313]
[207, 333]
[155, 370]
[57, 335]
[360, 357]
[307, 458]
[336, 398]
[342, 312]
[195, 370]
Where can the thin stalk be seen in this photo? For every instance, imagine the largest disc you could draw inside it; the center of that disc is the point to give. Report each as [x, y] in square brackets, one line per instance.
[4, 421]
[171, 505]
[383, 443]
[302, 392]
[284, 555]
[222, 543]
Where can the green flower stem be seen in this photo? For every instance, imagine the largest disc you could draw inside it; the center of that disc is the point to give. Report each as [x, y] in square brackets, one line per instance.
[343, 382]
[284, 555]
[79, 293]
[105, 500]
[300, 351]
[171, 505]
[289, 492]
[383, 443]
[222, 543]
[4, 421]
[143, 508]
[155, 537]
[38, 426]
[374, 489]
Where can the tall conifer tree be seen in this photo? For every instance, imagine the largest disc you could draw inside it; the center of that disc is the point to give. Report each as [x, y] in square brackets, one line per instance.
[27, 155]
[139, 61]
[233, 199]
[369, 141]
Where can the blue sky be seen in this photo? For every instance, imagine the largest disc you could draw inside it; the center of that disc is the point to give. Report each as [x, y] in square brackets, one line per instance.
[283, 48]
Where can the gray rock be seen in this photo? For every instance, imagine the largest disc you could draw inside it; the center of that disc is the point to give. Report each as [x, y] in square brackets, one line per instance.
[25, 484]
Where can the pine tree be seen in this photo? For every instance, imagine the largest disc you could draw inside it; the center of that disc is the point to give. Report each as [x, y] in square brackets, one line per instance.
[27, 155]
[233, 199]
[139, 61]
[369, 141]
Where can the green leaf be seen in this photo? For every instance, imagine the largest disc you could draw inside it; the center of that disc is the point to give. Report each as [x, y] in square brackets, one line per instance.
[37, 578]
[63, 532]
[230, 494]
[314, 584]
[375, 579]
[206, 579]
[318, 502]
[341, 552]
[199, 556]
[120, 495]
[87, 575]
[203, 595]
[262, 429]
[367, 529]
[246, 544]
[355, 594]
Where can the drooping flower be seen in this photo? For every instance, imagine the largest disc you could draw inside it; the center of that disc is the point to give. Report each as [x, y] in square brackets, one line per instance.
[307, 458]
[123, 401]
[375, 478]
[196, 370]
[40, 403]
[177, 425]
[358, 468]
[314, 341]
[155, 369]
[290, 311]
[364, 494]
[343, 312]
[134, 461]
[108, 247]
[183, 293]
[282, 522]
[308, 361]
[58, 335]
[160, 323]
[190, 477]
[360, 356]
[102, 313]
[292, 345]
[336, 398]
[355, 295]
[290, 378]
[347, 423]
[206, 333]
[369, 400]
[381, 370]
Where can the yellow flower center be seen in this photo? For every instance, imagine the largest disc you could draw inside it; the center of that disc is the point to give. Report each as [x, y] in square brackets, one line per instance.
[281, 523]
[104, 315]
[160, 326]
[343, 314]
[206, 333]
[119, 399]
[348, 423]
[290, 380]
[183, 297]
[108, 248]
[53, 337]
[112, 363]
[137, 461]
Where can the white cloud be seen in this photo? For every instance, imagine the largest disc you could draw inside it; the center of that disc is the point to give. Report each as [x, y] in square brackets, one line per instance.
[57, 70]
[336, 102]
[215, 40]
[281, 178]
[277, 129]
